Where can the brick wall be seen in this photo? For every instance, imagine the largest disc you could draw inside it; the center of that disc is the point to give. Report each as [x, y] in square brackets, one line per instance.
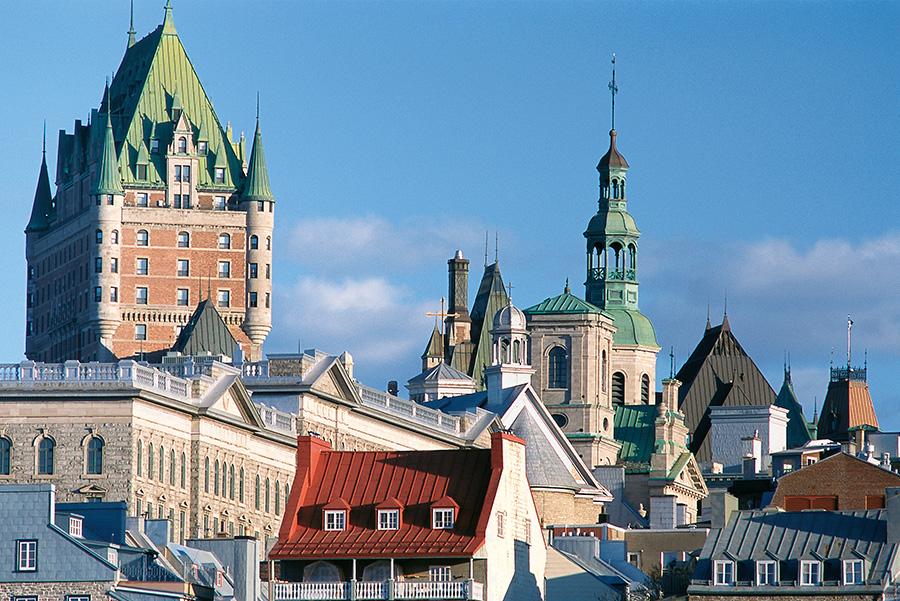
[843, 475]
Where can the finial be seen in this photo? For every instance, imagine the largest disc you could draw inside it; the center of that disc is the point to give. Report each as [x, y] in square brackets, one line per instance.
[131, 31]
[257, 107]
[485, 248]
[671, 362]
[496, 247]
[168, 23]
[708, 324]
[567, 290]
[815, 409]
[509, 289]
[725, 313]
[849, 338]
[44, 145]
[613, 89]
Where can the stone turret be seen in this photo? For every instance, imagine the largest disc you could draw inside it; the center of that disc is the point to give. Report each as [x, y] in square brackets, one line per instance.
[259, 203]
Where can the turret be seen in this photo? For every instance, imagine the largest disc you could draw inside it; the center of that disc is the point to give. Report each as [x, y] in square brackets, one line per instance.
[258, 202]
[108, 197]
[510, 362]
[41, 214]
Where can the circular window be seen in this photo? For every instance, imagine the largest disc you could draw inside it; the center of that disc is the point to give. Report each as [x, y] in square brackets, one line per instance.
[561, 420]
[605, 424]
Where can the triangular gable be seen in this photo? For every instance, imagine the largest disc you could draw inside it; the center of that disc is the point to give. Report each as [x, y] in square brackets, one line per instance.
[491, 298]
[230, 397]
[687, 465]
[332, 380]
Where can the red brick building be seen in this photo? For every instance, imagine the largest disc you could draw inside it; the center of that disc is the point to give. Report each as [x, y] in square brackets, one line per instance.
[838, 482]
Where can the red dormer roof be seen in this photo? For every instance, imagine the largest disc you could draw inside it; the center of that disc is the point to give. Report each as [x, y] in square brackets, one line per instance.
[336, 505]
[413, 481]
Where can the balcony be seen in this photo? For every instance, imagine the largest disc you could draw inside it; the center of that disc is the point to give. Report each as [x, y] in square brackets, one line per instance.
[372, 591]
[600, 274]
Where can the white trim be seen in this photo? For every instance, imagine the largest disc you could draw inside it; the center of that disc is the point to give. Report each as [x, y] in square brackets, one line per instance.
[387, 514]
[723, 581]
[762, 563]
[339, 519]
[810, 562]
[862, 571]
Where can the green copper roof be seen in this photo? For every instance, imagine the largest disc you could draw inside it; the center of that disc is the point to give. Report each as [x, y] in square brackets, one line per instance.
[435, 346]
[154, 75]
[206, 332]
[109, 180]
[797, 429]
[564, 303]
[615, 221]
[256, 186]
[43, 201]
[632, 327]
[635, 428]
[491, 298]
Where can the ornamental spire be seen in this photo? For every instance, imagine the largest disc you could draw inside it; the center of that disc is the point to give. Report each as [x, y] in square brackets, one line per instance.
[43, 199]
[256, 185]
[131, 31]
[109, 180]
[168, 25]
[613, 90]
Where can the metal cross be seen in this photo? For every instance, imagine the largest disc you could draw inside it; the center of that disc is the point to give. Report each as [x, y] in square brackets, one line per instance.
[509, 289]
[441, 315]
[613, 90]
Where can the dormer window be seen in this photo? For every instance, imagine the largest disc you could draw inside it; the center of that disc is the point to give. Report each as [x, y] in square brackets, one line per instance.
[724, 573]
[335, 519]
[442, 519]
[201, 147]
[388, 519]
[219, 174]
[853, 572]
[142, 172]
[154, 145]
[75, 527]
[182, 145]
[810, 573]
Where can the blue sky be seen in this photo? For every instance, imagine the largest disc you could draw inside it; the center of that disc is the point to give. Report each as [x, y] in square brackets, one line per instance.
[762, 139]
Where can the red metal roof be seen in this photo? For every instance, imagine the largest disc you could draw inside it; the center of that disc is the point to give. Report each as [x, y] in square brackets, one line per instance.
[365, 480]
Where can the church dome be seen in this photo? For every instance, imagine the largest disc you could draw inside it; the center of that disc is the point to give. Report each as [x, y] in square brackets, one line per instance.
[509, 319]
[614, 222]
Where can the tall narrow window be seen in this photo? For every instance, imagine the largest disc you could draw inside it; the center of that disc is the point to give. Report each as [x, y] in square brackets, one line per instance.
[268, 495]
[95, 456]
[252, 299]
[645, 389]
[231, 481]
[142, 238]
[206, 475]
[256, 501]
[98, 236]
[182, 145]
[172, 467]
[5, 455]
[183, 471]
[140, 458]
[241, 486]
[557, 368]
[216, 477]
[45, 456]
[254, 242]
[252, 270]
[618, 387]
[151, 458]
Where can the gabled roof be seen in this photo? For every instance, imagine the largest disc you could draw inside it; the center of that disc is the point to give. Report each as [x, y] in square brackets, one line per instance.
[42, 206]
[142, 94]
[564, 303]
[440, 372]
[797, 427]
[206, 332]
[635, 429]
[491, 298]
[718, 365]
[435, 347]
[364, 479]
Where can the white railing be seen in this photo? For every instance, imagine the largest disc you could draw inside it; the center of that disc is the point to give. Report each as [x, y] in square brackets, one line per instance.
[278, 420]
[378, 591]
[312, 591]
[77, 374]
[255, 369]
[409, 409]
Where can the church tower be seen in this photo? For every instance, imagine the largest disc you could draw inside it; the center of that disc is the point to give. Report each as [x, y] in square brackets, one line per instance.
[612, 279]
[510, 365]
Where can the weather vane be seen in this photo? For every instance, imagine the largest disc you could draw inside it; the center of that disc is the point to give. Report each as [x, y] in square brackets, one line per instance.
[441, 315]
[613, 89]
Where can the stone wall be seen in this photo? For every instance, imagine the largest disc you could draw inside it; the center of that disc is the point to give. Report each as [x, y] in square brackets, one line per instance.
[57, 591]
[562, 507]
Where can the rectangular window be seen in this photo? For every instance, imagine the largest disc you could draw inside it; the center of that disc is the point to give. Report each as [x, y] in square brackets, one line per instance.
[268, 271]
[154, 145]
[335, 520]
[766, 574]
[219, 176]
[26, 555]
[251, 299]
[114, 265]
[141, 295]
[142, 199]
[201, 148]
[184, 268]
[140, 331]
[853, 571]
[177, 173]
[440, 574]
[253, 270]
[75, 526]
[810, 573]
[113, 294]
[724, 573]
[98, 265]
[224, 269]
[388, 519]
[224, 298]
[78, 598]
[527, 531]
[182, 298]
[98, 294]
[268, 301]
[501, 524]
[635, 559]
[186, 174]
[442, 519]
[142, 266]
[218, 203]
[261, 206]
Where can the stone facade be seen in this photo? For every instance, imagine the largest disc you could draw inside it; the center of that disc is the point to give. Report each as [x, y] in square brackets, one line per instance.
[56, 591]
[565, 508]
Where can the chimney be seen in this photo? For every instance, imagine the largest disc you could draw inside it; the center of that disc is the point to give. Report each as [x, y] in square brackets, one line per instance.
[750, 468]
[159, 532]
[459, 328]
[309, 452]
[721, 505]
[663, 512]
[504, 444]
[670, 394]
[892, 507]
[347, 361]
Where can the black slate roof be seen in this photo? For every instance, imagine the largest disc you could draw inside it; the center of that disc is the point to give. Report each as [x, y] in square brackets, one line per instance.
[206, 332]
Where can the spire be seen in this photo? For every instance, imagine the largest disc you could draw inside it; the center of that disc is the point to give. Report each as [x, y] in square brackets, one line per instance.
[613, 159]
[109, 180]
[567, 290]
[613, 90]
[725, 324]
[131, 31]
[708, 324]
[168, 25]
[43, 200]
[256, 186]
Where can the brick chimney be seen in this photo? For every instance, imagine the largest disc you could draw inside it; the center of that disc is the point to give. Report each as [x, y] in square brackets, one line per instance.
[505, 445]
[309, 452]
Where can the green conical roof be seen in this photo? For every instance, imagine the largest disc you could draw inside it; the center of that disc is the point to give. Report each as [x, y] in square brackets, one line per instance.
[797, 428]
[43, 201]
[256, 186]
[435, 346]
[109, 180]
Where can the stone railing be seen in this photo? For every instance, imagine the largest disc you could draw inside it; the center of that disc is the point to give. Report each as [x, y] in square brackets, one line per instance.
[409, 410]
[278, 420]
[377, 591]
[30, 374]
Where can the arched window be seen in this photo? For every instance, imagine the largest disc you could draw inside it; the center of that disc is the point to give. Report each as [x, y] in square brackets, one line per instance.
[183, 470]
[603, 371]
[182, 145]
[557, 368]
[224, 479]
[115, 236]
[504, 351]
[268, 495]
[645, 389]
[321, 571]
[241, 486]
[216, 477]
[45, 456]
[256, 496]
[268, 242]
[231, 481]
[632, 257]
[224, 241]
[140, 458]
[206, 475]
[618, 387]
[517, 352]
[254, 242]
[5, 455]
[95, 455]
[162, 463]
[143, 238]
[150, 460]
[277, 497]
[172, 466]
[98, 236]
[377, 571]
[184, 240]
[615, 189]
[622, 188]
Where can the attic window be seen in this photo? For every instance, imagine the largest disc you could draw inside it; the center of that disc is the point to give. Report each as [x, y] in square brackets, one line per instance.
[201, 147]
[388, 519]
[142, 172]
[335, 519]
[724, 573]
[220, 175]
[443, 518]
[154, 145]
[810, 573]
[75, 527]
[853, 572]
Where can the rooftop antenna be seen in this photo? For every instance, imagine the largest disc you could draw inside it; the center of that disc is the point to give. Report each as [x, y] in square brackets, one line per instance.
[496, 247]
[131, 30]
[485, 248]
[849, 338]
[44, 145]
[613, 89]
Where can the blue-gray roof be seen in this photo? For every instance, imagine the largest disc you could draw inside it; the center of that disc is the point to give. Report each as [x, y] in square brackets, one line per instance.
[788, 538]
[441, 371]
